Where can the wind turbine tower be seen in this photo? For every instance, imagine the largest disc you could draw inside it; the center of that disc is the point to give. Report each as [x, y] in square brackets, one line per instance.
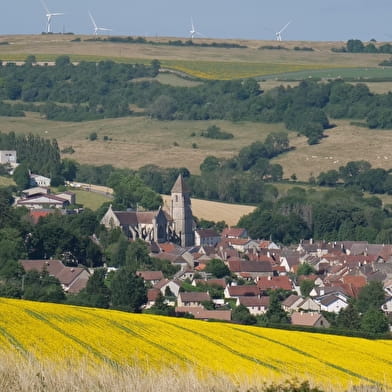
[49, 16]
[279, 33]
[96, 28]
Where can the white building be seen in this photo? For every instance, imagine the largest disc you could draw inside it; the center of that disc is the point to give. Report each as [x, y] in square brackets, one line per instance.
[38, 180]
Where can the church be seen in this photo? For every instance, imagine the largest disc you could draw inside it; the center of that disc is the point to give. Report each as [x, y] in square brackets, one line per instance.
[175, 225]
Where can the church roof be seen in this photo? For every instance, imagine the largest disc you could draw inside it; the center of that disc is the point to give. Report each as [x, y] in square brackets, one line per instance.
[180, 186]
[135, 217]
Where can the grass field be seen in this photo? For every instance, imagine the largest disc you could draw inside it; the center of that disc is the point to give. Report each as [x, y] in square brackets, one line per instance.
[137, 141]
[6, 181]
[109, 340]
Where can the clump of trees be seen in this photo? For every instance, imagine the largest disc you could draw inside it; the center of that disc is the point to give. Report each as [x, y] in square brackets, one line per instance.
[358, 174]
[214, 132]
[338, 214]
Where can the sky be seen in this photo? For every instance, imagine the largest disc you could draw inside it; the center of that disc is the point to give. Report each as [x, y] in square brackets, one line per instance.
[310, 20]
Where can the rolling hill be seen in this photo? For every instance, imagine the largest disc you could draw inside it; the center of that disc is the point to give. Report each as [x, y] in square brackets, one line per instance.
[110, 340]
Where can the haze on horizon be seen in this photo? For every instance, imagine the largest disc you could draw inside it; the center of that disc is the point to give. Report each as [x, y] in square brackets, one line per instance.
[311, 20]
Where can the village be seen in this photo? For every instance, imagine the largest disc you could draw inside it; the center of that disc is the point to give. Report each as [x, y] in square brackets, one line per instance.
[218, 272]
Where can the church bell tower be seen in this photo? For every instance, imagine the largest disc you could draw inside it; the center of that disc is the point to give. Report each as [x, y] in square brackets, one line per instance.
[181, 212]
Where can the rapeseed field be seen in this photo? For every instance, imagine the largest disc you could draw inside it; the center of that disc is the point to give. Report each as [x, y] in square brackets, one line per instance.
[66, 335]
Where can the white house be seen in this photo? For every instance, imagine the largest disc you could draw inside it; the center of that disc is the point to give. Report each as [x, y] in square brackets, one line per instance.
[38, 180]
[255, 305]
[332, 303]
[206, 237]
[387, 306]
[8, 156]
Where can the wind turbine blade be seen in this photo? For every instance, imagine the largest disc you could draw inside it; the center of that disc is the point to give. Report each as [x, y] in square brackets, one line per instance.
[285, 27]
[57, 13]
[45, 7]
[92, 20]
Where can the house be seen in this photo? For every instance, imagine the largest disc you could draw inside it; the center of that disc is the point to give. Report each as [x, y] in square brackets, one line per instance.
[151, 277]
[250, 269]
[255, 305]
[203, 314]
[206, 237]
[387, 306]
[290, 260]
[291, 303]
[332, 303]
[37, 190]
[152, 295]
[8, 157]
[38, 180]
[43, 201]
[68, 195]
[243, 244]
[192, 299]
[309, 304]
[72, 279]
[283, 282]
[309, 319]
[234, 232]
[168, 287]
[241, 291]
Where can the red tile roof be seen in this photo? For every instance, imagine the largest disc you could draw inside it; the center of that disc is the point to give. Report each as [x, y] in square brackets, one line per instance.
[274, 282]
[242, 291]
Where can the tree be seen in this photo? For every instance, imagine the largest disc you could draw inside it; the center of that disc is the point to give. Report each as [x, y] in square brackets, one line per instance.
[275, 313]
[163, 108]
[22, 176]
[96, 292]
[160, 307]
[349, 318]
[128, 291]
[371, 296]
[306, 286]
[40, 286]
[305, 269]
[242, 315]
[374, 321]
[137, 256]
[217, 268]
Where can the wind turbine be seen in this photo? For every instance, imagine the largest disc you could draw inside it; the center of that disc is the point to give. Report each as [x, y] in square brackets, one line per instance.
[49, 16]
[193, 31]
[96, 28]
[278, 34]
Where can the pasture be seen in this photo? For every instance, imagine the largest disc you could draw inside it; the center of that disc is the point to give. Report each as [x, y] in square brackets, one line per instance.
[111, 341]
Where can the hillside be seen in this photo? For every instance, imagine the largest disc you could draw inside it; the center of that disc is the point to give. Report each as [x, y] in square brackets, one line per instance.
[107, 339]
[133, 142]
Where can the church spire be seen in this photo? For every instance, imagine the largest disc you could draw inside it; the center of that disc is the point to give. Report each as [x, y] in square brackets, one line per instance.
[180, 185]
[181, 212]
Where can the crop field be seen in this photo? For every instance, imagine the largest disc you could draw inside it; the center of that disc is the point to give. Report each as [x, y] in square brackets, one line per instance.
[360, 74]
[212, 62]
[215, 211]
[103, 338]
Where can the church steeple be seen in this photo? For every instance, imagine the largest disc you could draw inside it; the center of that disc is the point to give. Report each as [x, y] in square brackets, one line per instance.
[181, 212]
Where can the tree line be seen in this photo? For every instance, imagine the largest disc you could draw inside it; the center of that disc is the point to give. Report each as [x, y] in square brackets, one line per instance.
[359, 174]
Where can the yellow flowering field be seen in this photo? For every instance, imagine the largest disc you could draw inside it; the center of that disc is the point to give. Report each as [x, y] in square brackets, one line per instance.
[225, 70]
[69, 335]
